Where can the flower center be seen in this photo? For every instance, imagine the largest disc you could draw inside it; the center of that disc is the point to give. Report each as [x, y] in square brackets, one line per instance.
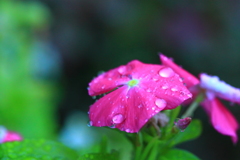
[133, 82]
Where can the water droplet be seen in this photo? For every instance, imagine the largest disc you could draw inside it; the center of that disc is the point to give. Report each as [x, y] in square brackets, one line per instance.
[189, 95]
[164, 87]
[153, 108]
[140, 105]
[148, 90]
[155, 78]
[103, 87]
[119, 118]
[166, 72]
[121, 69]
[181, 79]
[99, 122]
[128, 130]
[110, 79]
[161, 103]
[174, 89]
[90, 124]
[112, 126]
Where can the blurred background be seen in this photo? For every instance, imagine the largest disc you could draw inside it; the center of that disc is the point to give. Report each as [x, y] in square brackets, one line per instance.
[51, 49]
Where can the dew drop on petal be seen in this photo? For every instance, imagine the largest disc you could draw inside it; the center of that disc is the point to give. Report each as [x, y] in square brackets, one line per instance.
[164, 87]
[118, 119]
[148, 90]
[140, 106]
[112, 126]
[174, 89]
[90, 124]
[121, 69]
[166, 72]
[161, 103]
[189, 95]
[127, 130]
[181, 79]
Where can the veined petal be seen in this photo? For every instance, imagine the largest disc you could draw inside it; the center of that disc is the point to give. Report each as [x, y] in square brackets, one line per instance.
[170, 88]
[127, 109]
[188, 78]
[222, 120]
[219, 88]
[109, 80]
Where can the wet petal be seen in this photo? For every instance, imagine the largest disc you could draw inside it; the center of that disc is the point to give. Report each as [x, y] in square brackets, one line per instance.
[187, 78]
[108, 81]
[114, 78]
[127, 109]
[222, 120]
[169, 88]
[219, 88]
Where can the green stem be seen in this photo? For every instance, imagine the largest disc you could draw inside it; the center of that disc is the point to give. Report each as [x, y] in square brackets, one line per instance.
[138, 146]
[148, 148]
[193, 106]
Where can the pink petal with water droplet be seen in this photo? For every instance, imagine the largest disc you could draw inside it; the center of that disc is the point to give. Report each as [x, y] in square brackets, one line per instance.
[168, 88]
[219, 88]
[188, 78]
[222, 120]
[113, 78]
[108, 81]
[138, 103]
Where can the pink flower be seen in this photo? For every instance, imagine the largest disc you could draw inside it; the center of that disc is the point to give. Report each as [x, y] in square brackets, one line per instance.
[8, 136]
[134, 93]
[222, 120]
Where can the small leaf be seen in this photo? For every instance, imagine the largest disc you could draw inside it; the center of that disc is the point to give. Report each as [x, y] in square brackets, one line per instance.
[36, 149]
[100, 156]
[191, 132]
[178, 154]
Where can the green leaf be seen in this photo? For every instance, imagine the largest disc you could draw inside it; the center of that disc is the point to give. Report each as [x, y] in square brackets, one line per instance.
[191, 132]
[178, 154]
[36, 149]
[172, 114]
[100, 156]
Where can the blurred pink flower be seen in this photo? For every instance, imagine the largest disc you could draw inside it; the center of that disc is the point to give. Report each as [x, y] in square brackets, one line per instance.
[134, 93]
[8, 136]
[222, 120]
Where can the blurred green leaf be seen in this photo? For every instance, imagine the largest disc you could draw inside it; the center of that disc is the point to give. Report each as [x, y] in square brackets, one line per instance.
[178, 154]
[191, 132]
[36, 149]
[100, 156]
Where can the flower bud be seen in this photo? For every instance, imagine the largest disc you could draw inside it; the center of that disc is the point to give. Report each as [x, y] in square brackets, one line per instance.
[183, 123]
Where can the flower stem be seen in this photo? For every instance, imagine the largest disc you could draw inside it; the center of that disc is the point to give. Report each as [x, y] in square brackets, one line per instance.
[193, 106]
[148, 148]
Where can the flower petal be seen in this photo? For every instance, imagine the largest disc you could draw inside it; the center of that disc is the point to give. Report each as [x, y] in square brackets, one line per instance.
[219, 88]
[188, 78]
[128, 109]
[114, 78]
[108, 81]
[222, 120]
[171, 89]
